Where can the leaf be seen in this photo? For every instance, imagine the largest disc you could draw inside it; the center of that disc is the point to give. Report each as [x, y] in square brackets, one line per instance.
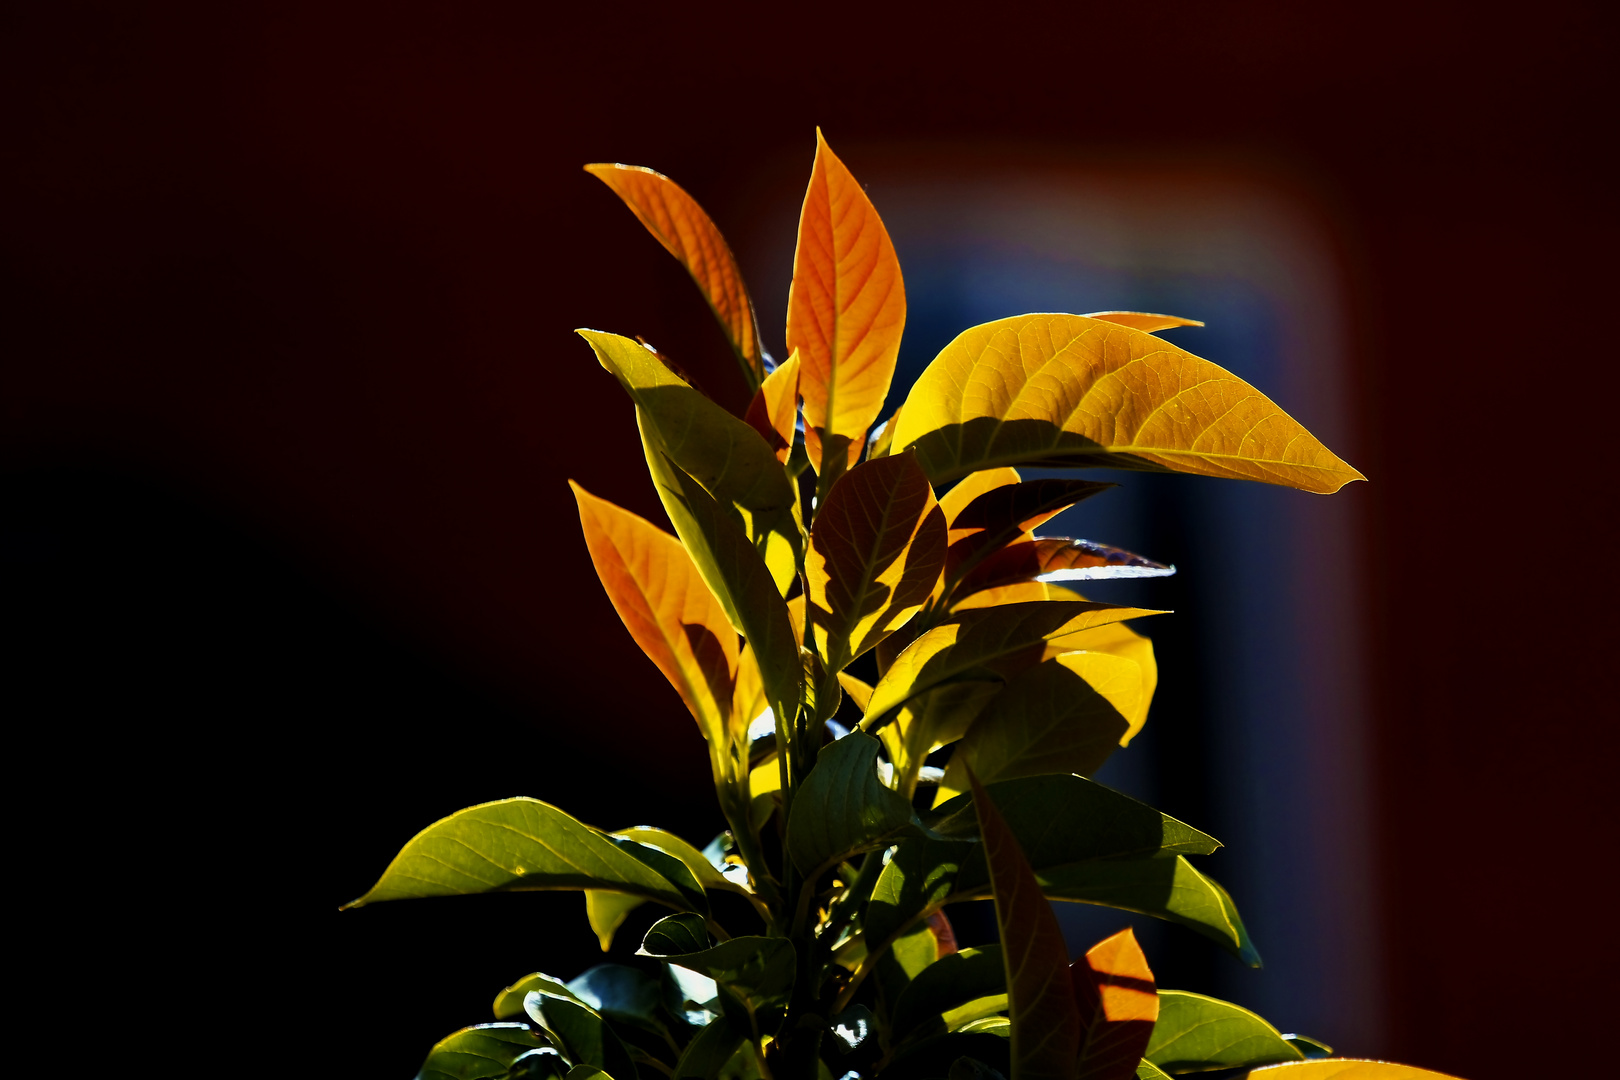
[542, 1064]
[1118, 639]
[675, 935]
[973, 1013]
[679, 223]
[1195, 1032]
[1066, 715]
[1040, 997]
[950, 982]
[1025, 592]
[882, 438]
[1346, 1069]
[666, 606]
[709, 1051]
[933, 1058]
[843, 808]
[483, 1050]
[722, 452]
[1311, 1048]
[509, 1002]
[514, 845]
[1067, 390]
[846, 307]
[1146, 1070]
[622, 994]
[975, 640]
[580, 1032]
[1142, 320]
[928, 722]
[606, 912]
[774, 411]
[1000, 514]
[876, 550]
[1114, 990]
[1058, 558]
[703, 871]
[758, 970]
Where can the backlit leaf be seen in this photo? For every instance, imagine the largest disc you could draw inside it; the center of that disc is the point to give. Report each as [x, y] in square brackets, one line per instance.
[1118, 639]
[484, 1050]
[1008, 512]
[775, 408]
[675, 935]
[846, 307]
[1067, 390]
[875, 553]
[702, 869]
[1169, 889]
[1019, 635]
[759, 970]
[668, 609]
[950, 982]
[1040, 997]
[1142, 320]
[687, 233]
[1195, 1033]
[1024, 592]
[1346, 1069]
[1114, 990]
[843, 808]
[579, 1031]
[930, 721]
[881, 441]
[710, 1051]
[623, 995]
[514, 845]
[606, 912]
[1058, 559]
[509, 1002]
[1146, 1070]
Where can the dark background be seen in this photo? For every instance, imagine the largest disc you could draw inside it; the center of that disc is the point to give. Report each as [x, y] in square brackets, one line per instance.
[290, 392]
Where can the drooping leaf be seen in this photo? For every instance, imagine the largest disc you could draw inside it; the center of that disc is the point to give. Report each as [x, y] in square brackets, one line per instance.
[1067, 390]
[580, 1032]
[606, 912]
[1115, 991]
[666, 606]
[758, 970]
[876, 550]
[722, 452]
[1005, 512]
[1346, 1069]
[775, 408]
[514, 845]
[671, 869]
[952, 981]
[975, 640]
[1142, 320]
[622, 994]
[509, 1002]
[1066, 715]
[846, 307]
[1040, 997]
[483, 1050]
[703, 871]
[687, 233]
[843, 808]
[1196, 1032]
[1169, 889]
[1055, 559]
[675, 935]
[1311, 1048]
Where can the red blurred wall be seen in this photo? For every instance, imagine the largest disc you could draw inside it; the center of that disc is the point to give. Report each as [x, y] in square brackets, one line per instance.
[323, 264]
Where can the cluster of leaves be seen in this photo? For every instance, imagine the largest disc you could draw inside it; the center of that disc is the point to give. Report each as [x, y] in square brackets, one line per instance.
[808, 536]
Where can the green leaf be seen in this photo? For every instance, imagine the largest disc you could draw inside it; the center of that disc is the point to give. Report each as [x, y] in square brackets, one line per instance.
[710, 1051]
[606, 912]
[950, 982]
[917, 879]
[722, 452]
[1196, 1033]
[703, 871]
[759, 970]
[517, 844]
[1052, 389]
[509, 1002]
[587, 1072]
[983, 640]
[622, 994]
[675, 935]
[580, 1032]
[876, 551]
[1040, 997]
[1311, 1048]
[1146, 1070]
[484, 1050]
[933, 1058]
[542, 1064]
[671, 869]
[843, 808]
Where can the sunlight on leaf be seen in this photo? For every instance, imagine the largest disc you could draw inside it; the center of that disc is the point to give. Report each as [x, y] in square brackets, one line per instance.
[846, 307]
[1142, 320]
[1196, 1032]
[775, 408]
[606, 912]
[843, 808]
[1346, 1069]
[1114, 990]
[484, 1050]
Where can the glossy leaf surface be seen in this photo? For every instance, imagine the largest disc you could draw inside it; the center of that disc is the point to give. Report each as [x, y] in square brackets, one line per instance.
[514, 845]
[484, 1050]
[1169, 889]
[1118, 1002]
[509, 1002]
[1143, 320]
[703, 871]
[665, 604]
[1196, 1032]
[775, 408]
[675, 935]
[679, 223]
[1067, 390]
[1058, 559]
[1040, 997]
[876, 550]
[1346, 1069]
[843, 807]
[846, 306]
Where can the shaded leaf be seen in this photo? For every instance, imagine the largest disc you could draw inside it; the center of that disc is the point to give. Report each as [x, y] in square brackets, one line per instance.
[1005, 512]
[679, 223]
[580, 1032]
[606, 912]
[512, 845]
[774, 411]
[759, 970]
[966, 1068]
[843, 808]
[1057, 559]
[1067, 390]
[1142, 320]
[846, 307]
[666, 606]
[542, 1064]
[483, 1050]
[703, 871]
[952, 981]
[1114, 989]
[622, 994]
[675, 935]
[1308, 1046]
[709, 1051]
[933, 1058]
[1023, 634]
[1040, 997]
[509, 1002]
[1346, 1069]
[930, 721]
[1169, 889]
[1195, 1032]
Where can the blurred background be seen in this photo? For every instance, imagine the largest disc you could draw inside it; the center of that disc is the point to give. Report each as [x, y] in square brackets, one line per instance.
[290, 393]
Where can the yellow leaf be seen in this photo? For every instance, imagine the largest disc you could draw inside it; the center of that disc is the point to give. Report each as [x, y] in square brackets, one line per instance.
[775, 407]
[606, 912]
[1118, 639]
[882, 439]
[1345, 1069]
[1142, 320]
[748, 696]
[1071, 391]
[876, 551]
[846, 307]
[686, 232]
[1022, 593]
[1054, 558]
[666, 606]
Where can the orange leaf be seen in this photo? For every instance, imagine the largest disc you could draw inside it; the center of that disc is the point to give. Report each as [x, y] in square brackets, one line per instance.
[846, 307]
[667, 608]
[1046, 1032]
[1119, 1005]
[1058, 558]
[1142, 320]
[776, 406]
[679, 223]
